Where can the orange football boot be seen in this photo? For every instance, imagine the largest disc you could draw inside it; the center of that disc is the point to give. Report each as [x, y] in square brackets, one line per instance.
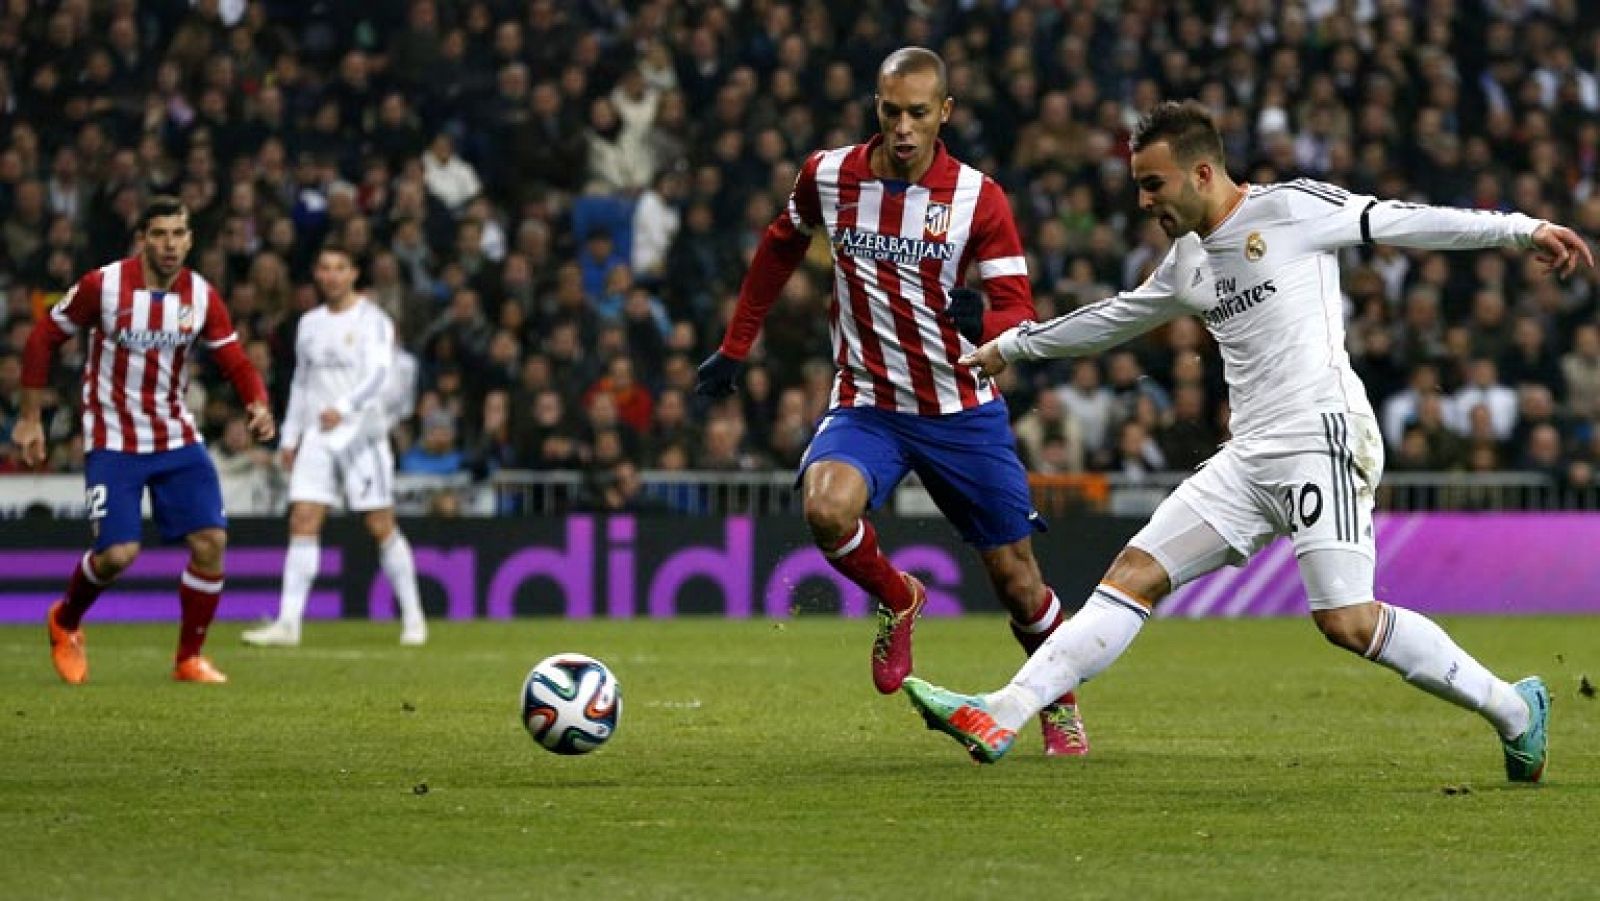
[66, 650]
[197, 669]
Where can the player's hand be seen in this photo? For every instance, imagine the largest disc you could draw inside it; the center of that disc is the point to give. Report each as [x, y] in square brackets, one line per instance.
[28, 436]
[716, 375]
[986, 360]
[259, 419]
[286, 457]
[1561, 249]
[330, 419]
[965, 312]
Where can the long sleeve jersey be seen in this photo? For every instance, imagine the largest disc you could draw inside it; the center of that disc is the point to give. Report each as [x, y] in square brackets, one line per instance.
[898, 249]
[1278, 314]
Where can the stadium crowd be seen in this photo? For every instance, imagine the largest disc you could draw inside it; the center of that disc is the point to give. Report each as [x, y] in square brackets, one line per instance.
[556, 201]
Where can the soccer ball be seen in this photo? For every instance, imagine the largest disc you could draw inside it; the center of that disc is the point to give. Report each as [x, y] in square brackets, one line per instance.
[570, 703]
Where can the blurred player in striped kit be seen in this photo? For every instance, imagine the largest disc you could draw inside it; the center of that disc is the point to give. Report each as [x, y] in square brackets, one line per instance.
[139, 318]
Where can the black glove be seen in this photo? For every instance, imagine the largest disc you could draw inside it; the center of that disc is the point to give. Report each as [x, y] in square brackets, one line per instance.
[965, 312]
[717, 375]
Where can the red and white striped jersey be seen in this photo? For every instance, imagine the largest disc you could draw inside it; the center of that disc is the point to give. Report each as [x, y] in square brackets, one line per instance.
[898, 248]
[137, 347]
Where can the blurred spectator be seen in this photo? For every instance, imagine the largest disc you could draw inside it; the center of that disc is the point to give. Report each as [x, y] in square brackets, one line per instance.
[1187, 437]
[655, 224]
[1580, 369]
[250, 480]
[493, 448]
[618, 159]
[1049, 421]
[1483, 389]
[633, 402]
[617, 488]
[450, 178]
[437, 452]
[1136, 453]
[1089, 404]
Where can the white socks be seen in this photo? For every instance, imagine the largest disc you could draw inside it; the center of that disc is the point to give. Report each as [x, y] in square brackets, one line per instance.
[299, 571]
[395, 557]
[1078, 650]
[1416, 648]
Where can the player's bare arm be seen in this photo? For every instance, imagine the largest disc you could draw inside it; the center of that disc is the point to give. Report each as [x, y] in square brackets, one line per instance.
[329, 419]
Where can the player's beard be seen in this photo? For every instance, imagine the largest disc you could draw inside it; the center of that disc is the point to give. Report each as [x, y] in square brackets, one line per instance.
[1184, 214]
[164, 274]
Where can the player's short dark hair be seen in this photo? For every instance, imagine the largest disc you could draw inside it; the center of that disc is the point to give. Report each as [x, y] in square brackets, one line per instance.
[910, 60]
[1187, 128]
[341, 249]
[160, 205]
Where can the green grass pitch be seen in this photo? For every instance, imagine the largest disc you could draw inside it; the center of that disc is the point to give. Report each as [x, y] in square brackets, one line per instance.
[754, 760]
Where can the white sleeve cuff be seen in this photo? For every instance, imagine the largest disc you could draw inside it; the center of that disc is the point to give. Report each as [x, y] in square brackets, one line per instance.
[1010, 343]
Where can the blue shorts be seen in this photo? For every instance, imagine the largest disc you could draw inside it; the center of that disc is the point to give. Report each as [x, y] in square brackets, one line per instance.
[185, 495]
[968, 462]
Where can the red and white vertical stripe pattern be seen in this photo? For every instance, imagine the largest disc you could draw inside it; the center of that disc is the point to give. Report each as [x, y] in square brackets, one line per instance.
[138, 349]
[898, 249]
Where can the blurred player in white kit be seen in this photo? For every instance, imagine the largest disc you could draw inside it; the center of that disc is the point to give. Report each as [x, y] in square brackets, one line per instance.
[336, 444]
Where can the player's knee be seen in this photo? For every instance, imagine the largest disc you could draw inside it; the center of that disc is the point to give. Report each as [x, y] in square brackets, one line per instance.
[1139, 574]
[304, 519]
[1347, 627]
[110, 562]
[380, 525]
[830, 518]
[208, 545]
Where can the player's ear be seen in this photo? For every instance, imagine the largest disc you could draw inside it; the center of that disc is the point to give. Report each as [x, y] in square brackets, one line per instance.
[944, 111]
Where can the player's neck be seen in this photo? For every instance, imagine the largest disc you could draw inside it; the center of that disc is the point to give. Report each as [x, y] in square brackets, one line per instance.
[1232, 195]
[339, 305]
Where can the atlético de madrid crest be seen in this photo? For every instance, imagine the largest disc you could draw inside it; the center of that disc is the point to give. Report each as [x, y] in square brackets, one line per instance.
[937, 222]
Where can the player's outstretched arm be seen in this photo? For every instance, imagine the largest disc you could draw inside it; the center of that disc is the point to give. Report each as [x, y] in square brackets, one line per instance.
[782, 248]
[1561, 249]
[776, 258]
[1106, 323]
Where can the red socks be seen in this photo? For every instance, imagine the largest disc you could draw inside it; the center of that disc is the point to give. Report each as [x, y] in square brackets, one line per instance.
[861, 561]
[83, 589]
[199, 592]
[1032, 634]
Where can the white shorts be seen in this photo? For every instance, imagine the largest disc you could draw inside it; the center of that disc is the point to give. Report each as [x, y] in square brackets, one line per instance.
[1318, 489]
[360, 473]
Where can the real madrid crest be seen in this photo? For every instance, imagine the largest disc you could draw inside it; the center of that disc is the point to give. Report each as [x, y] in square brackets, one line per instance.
[1255, 247]
[937, 221]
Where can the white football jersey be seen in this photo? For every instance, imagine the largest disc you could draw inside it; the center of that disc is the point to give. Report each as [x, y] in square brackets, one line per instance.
[1277, 313]
[342, 361]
